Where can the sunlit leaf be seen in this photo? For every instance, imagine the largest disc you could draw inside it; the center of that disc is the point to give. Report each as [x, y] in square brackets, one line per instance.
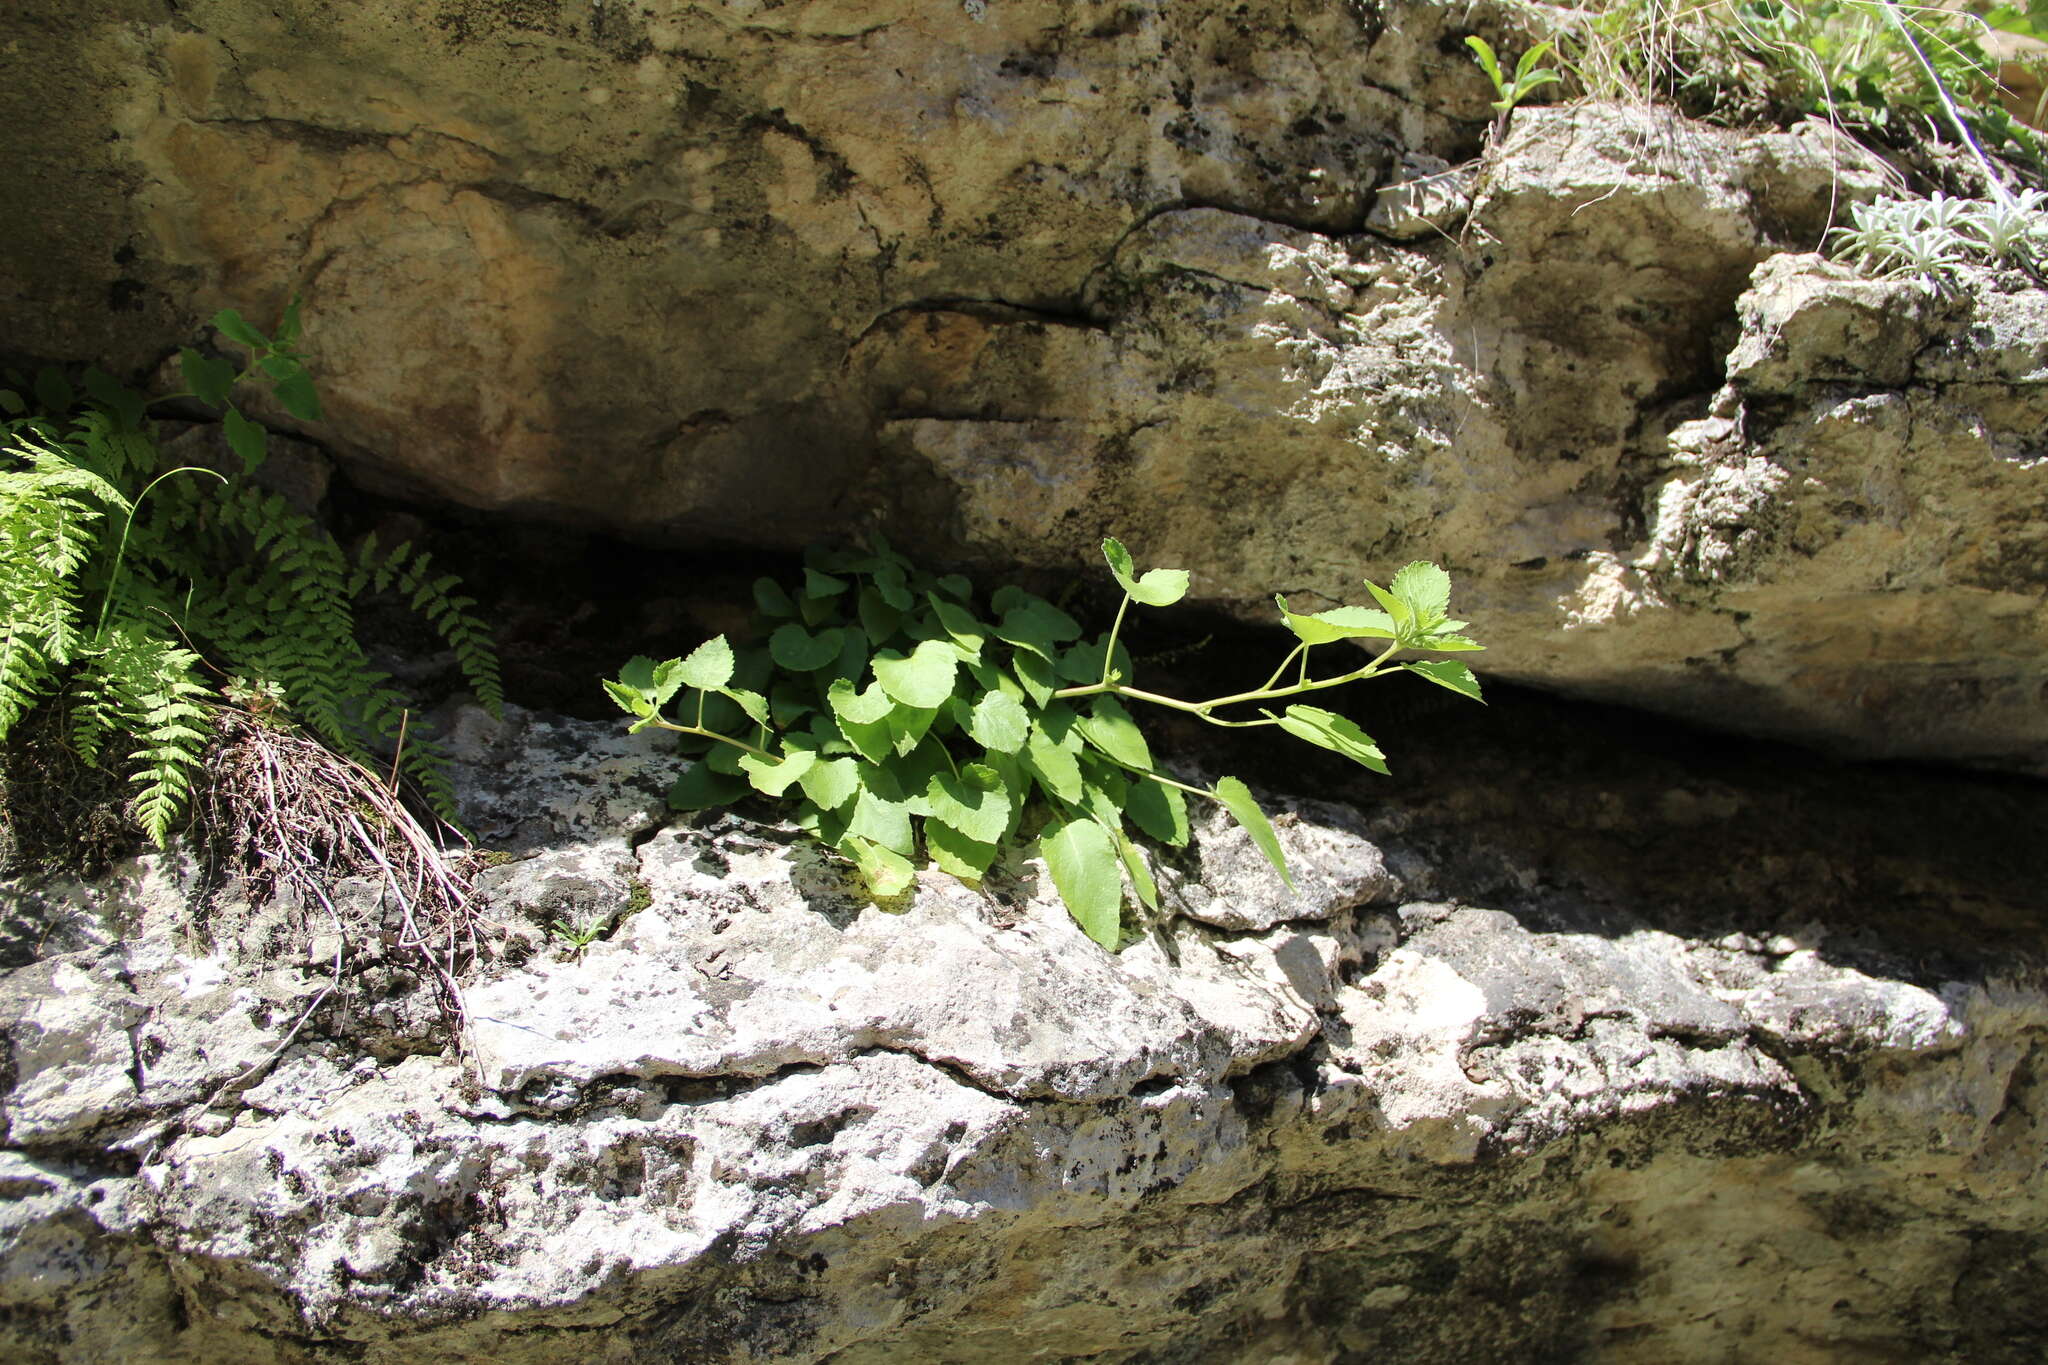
[1448, 673]
[1088, 875]
[1237, 798]
[709, 665]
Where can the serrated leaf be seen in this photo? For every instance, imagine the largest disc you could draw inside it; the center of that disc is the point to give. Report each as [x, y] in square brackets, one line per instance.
[230, 323]
[798, 650]
[1158, 588]
[629, 699]
[968, 859]
[886, 872]
[772, 599]
[1159, 810]
[1110, 728]
[1237, 798]
[924, 679]
[883, 819]
[1427, 591]
[1055, 767]
[1451, 674]
[1449, 644]
[1338, 623]
[709, 665]
[1402, 615]
[701, 788]
[245, 438]
[1089, 877]
[975, 802]
[753, 703]
[1336, 733]
[208, 379]
[830, 782]
[10, 403]
[999, 722]
[299, 397]
[288, 326]
[773, 779]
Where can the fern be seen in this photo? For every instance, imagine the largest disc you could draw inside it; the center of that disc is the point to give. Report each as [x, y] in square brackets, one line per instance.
[122, 582]
[139, 684]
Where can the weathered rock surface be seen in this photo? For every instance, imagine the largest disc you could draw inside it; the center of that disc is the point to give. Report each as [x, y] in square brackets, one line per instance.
[1677, 1066]
[1225, 280]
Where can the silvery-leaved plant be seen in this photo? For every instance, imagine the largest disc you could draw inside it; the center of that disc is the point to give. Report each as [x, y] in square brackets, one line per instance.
[908, 720]
[1928, 238]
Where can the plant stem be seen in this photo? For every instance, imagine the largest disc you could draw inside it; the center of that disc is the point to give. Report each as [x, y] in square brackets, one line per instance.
[99, 631]
[1301, 649]
[1158, 777]
[1265, 693]
[701, 732]
[1109, 651]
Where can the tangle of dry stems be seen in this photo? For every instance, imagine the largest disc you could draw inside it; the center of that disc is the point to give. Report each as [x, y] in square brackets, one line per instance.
[282, 812]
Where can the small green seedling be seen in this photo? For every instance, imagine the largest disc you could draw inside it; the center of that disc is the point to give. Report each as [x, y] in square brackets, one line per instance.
[909, 721]
[1529, 75]
[580, 933]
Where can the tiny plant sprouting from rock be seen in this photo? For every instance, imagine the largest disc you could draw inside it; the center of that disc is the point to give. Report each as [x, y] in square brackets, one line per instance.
[1530, 74]
[581, 932]
[901, 714]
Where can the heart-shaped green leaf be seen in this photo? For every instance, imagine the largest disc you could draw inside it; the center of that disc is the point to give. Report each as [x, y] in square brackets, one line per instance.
[999, 722]
[794, 648]
[773, 779]
[830, 782]
[886, 872]
[924, 679]
[1158, 588]
[954, 852]
[975, 802]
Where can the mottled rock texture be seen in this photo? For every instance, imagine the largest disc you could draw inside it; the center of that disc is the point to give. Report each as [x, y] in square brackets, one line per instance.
[1232, 280]
[1684, 1057]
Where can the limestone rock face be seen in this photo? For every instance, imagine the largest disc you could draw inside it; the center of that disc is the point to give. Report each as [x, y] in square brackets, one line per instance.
[1239, 283]
[1480, 1093]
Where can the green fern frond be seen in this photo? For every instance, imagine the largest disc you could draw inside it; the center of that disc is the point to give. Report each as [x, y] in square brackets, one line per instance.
[141, 684]
[465, 634]
[51, 509]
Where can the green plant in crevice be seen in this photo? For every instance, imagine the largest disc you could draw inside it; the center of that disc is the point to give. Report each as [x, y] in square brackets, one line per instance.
[905, 717]
[136, 593]
[1928, 238]
[1530, 76]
